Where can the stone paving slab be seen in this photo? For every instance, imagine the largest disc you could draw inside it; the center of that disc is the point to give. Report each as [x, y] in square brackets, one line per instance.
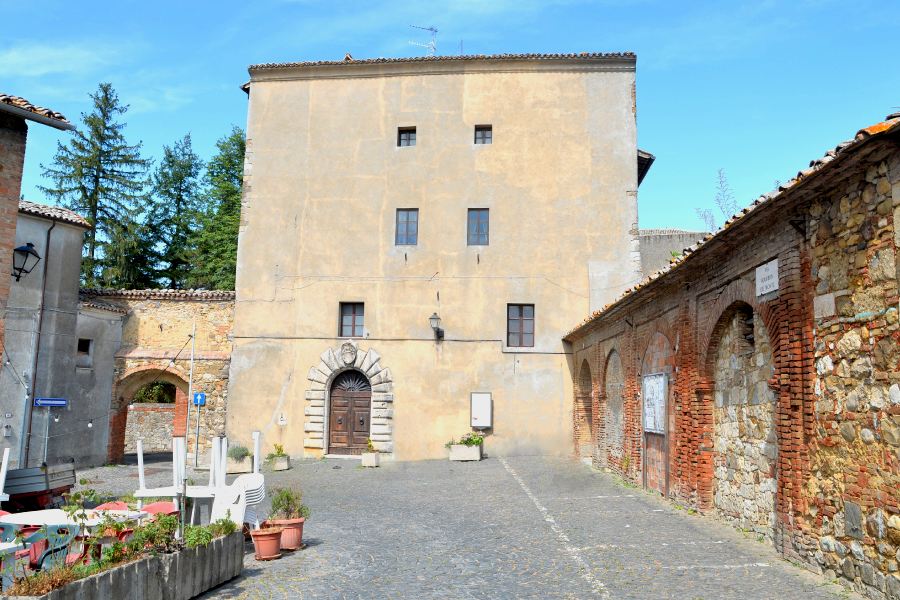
[520, 527]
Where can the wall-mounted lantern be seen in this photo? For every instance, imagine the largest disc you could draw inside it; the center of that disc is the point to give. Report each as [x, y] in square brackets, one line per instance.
[435, 322]
[25, 258]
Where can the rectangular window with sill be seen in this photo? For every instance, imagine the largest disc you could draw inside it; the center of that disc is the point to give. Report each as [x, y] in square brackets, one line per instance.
[407, 227]
[352, 320]
[479, 226]
[484, 134]
[520, 325]
[406, 136]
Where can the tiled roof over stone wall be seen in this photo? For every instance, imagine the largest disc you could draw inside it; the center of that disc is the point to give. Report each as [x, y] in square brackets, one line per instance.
[89, 302]
[53, 212]
[890, 124]
[214, 295]
[463, 58]
[24, 104]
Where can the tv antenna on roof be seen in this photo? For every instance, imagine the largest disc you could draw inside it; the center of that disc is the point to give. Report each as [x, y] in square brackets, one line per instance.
[432, 45]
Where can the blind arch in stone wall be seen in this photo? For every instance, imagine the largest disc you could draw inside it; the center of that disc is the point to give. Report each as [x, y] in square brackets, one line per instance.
[744, 438]
[614, 391]
[584, 422]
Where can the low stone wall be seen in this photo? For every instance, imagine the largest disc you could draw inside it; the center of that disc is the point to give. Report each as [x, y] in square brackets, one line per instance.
[178, 576]
[152, 423]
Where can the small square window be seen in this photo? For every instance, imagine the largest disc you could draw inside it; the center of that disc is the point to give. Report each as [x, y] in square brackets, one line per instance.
[406, 136]
[520, 325]
[407, 227]
[478, 227]
[483, 134]
[351, 325]
[83, 355]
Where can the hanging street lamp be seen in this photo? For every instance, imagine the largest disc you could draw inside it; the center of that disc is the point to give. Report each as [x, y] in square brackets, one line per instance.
[25, 258]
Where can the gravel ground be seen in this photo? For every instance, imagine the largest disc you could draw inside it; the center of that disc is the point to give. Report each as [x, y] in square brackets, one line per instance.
[521, 527]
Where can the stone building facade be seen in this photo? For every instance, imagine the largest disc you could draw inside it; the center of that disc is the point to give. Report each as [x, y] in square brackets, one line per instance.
[493, 159]
[770, 353]
[155, 345]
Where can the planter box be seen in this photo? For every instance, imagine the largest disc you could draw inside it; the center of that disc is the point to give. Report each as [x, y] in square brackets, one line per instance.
[462, 452]
[177, 576]
[371, 459]
[233, 467]
[281, 463]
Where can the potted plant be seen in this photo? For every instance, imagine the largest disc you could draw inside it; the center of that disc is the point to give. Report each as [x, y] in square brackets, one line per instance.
[237, 460]
[267, 542]
[371, 457]
[467, 448]
[288, 513]
[278, 459]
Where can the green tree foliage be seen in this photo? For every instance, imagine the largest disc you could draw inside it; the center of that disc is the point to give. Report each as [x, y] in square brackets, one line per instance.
[129, 261]
[98, 174]
[175, 210]
[214, 257]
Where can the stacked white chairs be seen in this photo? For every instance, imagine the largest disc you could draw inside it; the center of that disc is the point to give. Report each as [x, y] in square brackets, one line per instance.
[255, 486]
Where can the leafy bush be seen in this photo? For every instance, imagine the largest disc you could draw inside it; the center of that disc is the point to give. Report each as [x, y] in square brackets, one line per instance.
[470, 439]
[288, 504]
[278, 453]
[238, 453]
[197, 536]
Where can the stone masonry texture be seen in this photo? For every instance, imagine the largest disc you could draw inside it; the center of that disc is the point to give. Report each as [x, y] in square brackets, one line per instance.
[783, 415]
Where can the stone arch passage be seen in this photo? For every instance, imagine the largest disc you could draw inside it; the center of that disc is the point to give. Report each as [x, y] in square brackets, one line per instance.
[614, 390]
[584, 422]
[744, 435]
[124, 410]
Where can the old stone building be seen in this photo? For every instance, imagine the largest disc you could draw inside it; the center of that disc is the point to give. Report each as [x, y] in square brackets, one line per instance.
[496, 193]
[758, 376]
[142, 337]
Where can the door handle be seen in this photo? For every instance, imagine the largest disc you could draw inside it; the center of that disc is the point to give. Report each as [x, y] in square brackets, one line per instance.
[362, 421]
[340, 421]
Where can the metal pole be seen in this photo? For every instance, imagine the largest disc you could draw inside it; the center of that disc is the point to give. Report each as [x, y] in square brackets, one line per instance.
[197, 439]
[187, 425]
[46, 435]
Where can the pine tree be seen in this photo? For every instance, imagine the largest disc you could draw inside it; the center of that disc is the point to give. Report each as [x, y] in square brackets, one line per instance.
[215, 242]
[98, 174]
[129, 261]
[175, 210]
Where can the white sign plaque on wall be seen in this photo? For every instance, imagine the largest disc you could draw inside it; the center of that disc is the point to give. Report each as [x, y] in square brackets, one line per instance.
[767, 278]
[482, 410]
[654, 392]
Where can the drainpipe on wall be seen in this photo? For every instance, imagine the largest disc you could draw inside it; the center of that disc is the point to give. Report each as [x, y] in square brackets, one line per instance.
[29, 402]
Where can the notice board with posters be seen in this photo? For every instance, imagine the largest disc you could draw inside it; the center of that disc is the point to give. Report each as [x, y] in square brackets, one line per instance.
[654, 388]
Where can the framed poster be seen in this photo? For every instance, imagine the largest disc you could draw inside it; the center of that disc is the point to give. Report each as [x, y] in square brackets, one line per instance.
[654, 389]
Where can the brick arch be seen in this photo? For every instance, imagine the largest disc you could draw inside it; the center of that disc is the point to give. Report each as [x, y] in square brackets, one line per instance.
[124, 389]
[583, 415]
[662, 327]
[737, 293]
[613, 391]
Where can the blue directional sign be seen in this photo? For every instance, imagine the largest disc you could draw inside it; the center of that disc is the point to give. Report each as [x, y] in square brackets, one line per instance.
[51, 402]
[199, 399]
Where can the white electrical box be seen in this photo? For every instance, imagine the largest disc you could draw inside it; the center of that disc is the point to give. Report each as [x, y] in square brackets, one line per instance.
[482, 410]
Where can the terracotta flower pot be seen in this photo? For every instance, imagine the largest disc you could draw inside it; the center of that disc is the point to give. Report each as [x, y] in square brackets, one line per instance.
[292, 536]
[267, 543]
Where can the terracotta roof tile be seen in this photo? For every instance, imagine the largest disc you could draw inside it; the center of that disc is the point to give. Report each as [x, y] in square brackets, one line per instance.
[57, 213]
[24, 104]
[891, 124]
[160, 294]
[463, 58]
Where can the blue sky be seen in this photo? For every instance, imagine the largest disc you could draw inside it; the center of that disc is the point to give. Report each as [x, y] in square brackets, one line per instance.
[758, 88]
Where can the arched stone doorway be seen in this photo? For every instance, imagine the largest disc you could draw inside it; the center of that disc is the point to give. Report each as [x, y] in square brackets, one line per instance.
[657, 383]
[745, 440]
[349, 413]
[584, 414]
[159, 421]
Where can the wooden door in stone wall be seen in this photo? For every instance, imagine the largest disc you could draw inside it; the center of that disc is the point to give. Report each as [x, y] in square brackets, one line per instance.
[349, 415]
[655, 411]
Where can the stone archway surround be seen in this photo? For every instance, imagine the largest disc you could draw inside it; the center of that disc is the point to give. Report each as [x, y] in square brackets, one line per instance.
[334, 361]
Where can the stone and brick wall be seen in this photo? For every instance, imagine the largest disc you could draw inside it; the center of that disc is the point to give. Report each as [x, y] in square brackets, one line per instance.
[13, 134]
[784, 407]
[156, 347]
[153, 424]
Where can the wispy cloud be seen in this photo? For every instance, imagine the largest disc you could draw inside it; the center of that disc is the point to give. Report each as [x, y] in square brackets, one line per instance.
[34, 59]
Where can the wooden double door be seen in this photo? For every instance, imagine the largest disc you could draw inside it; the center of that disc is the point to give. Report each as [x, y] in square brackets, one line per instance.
[349, 414]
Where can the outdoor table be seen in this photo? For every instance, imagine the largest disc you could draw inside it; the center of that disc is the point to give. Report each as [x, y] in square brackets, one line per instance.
[56, 516]
[197, 492]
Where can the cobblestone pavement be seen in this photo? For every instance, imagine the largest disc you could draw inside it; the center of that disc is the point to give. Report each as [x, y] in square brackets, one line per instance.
[520, 527]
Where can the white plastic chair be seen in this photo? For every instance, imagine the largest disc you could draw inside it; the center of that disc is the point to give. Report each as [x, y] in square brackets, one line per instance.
[255, 488]
[3, 468]
[231, 501]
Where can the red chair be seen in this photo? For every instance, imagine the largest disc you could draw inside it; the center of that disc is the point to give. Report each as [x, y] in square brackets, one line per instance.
[36, 549]
[115, 505]
[165, 508]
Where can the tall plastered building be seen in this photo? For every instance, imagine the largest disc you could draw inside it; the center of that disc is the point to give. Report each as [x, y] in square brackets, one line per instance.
[416, 231]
